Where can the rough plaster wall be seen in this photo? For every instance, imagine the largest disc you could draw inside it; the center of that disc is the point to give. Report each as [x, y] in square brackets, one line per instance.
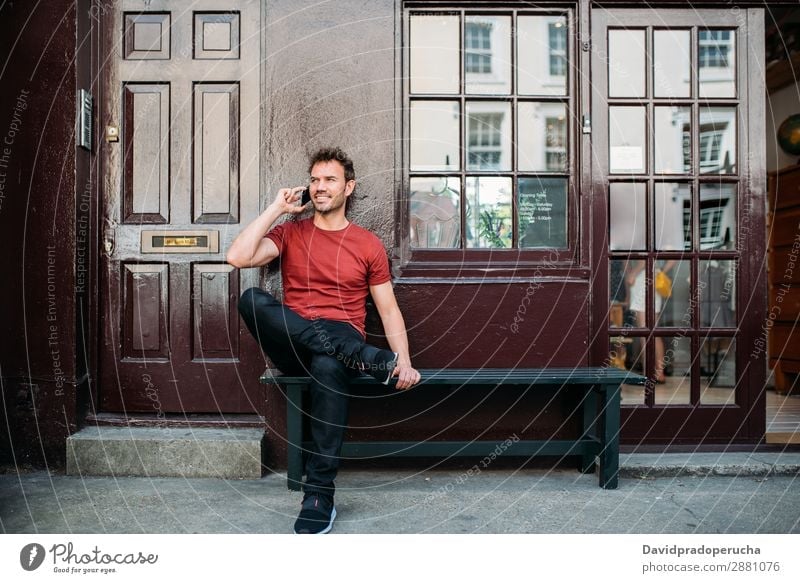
[329, 74]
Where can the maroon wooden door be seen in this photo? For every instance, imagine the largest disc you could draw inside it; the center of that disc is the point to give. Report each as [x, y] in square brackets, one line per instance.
[182, 97]
[678, 184]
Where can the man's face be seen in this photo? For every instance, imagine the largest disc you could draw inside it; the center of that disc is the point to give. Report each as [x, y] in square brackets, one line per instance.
[329, 189]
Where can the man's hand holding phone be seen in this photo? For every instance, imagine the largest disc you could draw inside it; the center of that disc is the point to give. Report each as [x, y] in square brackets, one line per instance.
[286, 201]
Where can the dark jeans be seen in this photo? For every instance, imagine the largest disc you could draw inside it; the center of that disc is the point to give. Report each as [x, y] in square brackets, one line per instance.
[327, 351]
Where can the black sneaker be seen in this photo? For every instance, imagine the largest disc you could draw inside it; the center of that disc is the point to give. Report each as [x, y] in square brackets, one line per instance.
[384, 366]
[390, 366]
[316, 515]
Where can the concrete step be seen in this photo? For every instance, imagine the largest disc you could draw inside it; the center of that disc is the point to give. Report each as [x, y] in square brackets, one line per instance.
[191, 452]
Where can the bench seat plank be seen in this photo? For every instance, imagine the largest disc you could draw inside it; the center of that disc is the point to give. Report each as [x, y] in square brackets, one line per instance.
[540, 376]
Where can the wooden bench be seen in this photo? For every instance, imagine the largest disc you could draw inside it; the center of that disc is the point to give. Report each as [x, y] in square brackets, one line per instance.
[600, 414]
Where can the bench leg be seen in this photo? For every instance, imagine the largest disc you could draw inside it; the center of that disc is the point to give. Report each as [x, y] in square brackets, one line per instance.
[587, 460]
[609, 455]
[294, 436]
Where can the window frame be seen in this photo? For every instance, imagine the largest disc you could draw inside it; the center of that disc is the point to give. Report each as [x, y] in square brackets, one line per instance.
[502, 262]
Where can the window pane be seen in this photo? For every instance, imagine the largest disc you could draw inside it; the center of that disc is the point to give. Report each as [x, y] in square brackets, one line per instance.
[626, 53]
[487, 54]
[672, 139]
[488, 135]
[542, 136]
[626, 135]
[717, 140]
[716, 58]
[717, 371]
[673, 369]
[434, 135]
[489, 221]
[671, 296]
[434, 54]
[718, 216]
[621, 354]
[435, 220]
[542, 55]
[671, 63]
[618, 316]
[636, 281]
[542, 212]
[626, 215]
[717, 290]
[673, 219]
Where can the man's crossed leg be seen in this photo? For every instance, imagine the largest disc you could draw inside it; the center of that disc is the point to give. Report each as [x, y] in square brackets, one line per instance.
[331, 353]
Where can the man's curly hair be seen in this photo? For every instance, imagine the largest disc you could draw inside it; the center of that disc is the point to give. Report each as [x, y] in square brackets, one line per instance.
[329, 154]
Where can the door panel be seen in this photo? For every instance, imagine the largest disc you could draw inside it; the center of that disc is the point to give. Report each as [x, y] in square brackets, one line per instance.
[216, 153]
[146, 119]
[145, 306]
[671, 171]
[214, 292]
[182, 86]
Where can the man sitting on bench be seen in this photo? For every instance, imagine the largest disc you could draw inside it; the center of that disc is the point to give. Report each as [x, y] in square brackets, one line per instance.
[328, 266]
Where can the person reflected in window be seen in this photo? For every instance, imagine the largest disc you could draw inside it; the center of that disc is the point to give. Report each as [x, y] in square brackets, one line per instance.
[637, 284]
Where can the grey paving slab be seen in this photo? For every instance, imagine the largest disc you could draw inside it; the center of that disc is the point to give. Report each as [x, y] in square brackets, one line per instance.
[408, 501]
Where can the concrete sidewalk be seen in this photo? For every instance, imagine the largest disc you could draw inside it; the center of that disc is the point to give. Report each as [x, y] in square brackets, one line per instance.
[664, 493]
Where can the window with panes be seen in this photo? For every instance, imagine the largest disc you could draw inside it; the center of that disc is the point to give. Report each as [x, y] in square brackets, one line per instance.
[488, 129]
[673, 179]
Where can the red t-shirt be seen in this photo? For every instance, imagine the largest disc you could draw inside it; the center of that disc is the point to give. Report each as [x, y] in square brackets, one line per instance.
[327, 274]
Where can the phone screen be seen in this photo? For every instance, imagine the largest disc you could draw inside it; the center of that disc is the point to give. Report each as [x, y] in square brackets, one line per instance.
[306, 197]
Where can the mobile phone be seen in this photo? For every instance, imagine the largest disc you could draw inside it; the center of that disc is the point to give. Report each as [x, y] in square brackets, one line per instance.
[306, 197]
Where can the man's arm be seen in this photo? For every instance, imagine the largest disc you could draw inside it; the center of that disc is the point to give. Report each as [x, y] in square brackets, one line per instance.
[251, 248]
[395, 328]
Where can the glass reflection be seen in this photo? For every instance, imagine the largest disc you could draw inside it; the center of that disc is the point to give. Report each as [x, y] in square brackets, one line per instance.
[717, 216]
[434, 135]
[626, 63]
[672, 289]
[717, 370]
[716, 60]
[673, 219]
[542, 136]
[622, 355]
[434, 53]
[618, 315]
[672, 139]
[636, 281]
[671, 63]
[673, 369]
[717, 283]
[542, 212]
[435, 219]
[542, 55]
[626, 136]
[488, 135]
[487, 54]
[626, 215]
[489, 221]
[717, 140]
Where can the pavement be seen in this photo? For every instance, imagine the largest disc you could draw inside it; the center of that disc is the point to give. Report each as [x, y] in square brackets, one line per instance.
[658, 493]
